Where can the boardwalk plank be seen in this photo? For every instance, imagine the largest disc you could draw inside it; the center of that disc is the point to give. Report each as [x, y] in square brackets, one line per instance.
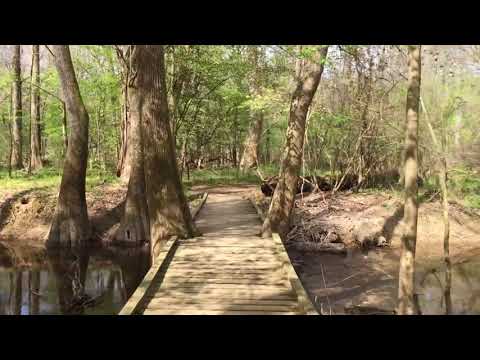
[212, 272]
[204, 312]
[228, 270]
[173, 280]
[225, 301]
[154, 305]
[188, 293]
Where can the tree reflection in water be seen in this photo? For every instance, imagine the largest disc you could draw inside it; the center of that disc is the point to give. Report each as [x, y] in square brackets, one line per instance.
[74, 282]
[69, 266]
[34, 293]
[458, 294]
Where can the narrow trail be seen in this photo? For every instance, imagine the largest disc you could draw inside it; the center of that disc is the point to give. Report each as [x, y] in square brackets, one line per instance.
[228, 270]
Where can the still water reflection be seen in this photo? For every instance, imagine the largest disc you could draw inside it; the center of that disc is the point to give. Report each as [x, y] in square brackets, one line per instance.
[460, 296]
[89, 281]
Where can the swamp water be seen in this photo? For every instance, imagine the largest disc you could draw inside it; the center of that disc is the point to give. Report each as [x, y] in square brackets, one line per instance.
[94, 281]
[363, 283]
[461, 297]
[99, 281]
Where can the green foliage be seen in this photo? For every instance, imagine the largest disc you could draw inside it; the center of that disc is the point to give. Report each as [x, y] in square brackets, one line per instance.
[472, 200]
[48, 178]
[228, 176]
[308, 52]
[220, 177]
[465, 184]
[213, 109]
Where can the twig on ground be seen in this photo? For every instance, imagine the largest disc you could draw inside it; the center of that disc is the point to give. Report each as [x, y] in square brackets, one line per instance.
[348, 277]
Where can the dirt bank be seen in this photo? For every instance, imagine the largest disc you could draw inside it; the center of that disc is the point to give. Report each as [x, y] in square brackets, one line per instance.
[26, 216]
[25, 219]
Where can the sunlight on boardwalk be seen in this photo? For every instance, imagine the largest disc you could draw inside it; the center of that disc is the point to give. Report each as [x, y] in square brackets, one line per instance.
[228, 270]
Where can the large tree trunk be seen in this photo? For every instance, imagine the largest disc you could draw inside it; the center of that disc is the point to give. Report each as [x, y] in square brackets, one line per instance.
[278, 218]
[406, 292]
[35, 138]
[135, 226]
[70, 225]
[167, 205]
[17, 162]
[252, 141]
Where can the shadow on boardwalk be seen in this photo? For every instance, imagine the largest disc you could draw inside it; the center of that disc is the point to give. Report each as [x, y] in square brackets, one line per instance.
[227, 270]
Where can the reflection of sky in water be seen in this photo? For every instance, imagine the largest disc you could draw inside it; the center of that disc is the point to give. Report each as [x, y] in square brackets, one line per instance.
[113, 280]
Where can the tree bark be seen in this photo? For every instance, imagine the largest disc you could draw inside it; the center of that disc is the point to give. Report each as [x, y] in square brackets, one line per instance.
[17, 162]
[167, 205]
[70, 225]
[35, 135]
[135, 225]
[406, 293]
[156, 207]
[278, 218]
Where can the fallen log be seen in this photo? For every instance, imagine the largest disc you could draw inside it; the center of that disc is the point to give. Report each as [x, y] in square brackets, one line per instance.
[332, 248]
[305, 185]
[367, 310]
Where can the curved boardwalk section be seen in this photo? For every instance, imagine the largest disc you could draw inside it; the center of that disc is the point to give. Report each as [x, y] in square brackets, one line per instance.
[228, 270]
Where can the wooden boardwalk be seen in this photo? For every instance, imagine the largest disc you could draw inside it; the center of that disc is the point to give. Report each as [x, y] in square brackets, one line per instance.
[229, 270]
